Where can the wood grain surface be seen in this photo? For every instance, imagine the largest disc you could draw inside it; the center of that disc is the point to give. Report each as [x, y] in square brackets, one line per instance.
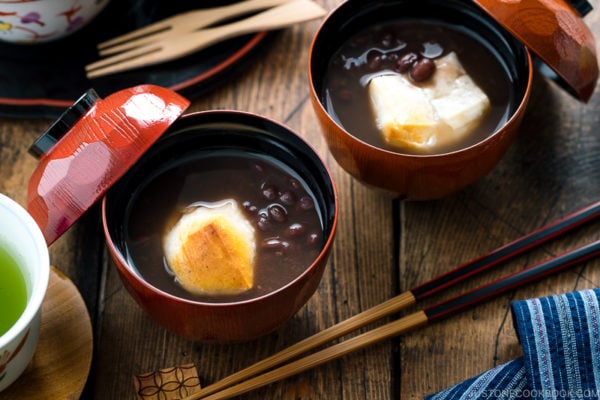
[383, 247]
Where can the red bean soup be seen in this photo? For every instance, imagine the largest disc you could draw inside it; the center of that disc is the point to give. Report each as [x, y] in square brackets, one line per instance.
[409, 46]
[275, 199]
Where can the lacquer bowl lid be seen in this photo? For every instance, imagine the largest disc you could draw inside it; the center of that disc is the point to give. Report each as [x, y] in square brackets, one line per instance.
[90, 147]
[556, 33]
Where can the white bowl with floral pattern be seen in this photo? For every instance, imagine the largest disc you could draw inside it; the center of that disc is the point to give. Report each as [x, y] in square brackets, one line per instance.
[39, 21]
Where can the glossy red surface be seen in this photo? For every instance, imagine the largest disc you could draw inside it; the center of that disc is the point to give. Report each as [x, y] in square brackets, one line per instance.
[556, 33]
[223, 322]
[102, 145]
[415, 177]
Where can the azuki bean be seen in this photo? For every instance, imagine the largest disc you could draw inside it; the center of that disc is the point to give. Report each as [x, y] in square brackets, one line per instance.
[269, 192]
[274, 243]
[312, 239]
[295, 184]
[306, 203]
[406, 62]
[422, 70]
[374, 62]
[294, 230]
[278, 213]
[263, 223]
[288, 198]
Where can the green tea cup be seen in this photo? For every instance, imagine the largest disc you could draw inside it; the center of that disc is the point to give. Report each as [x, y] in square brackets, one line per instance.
[24, 274]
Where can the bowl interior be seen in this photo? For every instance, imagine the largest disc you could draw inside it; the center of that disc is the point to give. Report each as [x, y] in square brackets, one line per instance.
[200, 135]
[354, 16]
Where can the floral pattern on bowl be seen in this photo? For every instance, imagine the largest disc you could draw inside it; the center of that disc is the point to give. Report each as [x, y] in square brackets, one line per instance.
[37, 21]
[7, 356]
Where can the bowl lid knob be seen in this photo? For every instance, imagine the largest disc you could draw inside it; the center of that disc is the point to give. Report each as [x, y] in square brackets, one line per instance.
[92, 144]
[582, 6]
[556, 33]
[63, 124]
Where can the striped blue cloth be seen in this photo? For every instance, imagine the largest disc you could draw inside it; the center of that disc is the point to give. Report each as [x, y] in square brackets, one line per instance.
[560, 336]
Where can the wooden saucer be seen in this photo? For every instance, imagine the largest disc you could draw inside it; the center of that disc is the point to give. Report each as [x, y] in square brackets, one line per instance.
[62, 360]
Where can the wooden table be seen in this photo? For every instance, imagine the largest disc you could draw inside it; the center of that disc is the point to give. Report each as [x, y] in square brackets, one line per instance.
[383, 246]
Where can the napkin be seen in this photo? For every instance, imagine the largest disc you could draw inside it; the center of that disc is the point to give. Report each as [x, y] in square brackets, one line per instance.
[560, 336]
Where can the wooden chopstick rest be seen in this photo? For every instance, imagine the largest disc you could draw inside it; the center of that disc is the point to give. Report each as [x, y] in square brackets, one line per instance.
[167, 383]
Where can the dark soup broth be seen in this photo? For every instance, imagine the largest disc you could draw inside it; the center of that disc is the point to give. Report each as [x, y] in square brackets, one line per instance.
[379, 49]
[274, 199]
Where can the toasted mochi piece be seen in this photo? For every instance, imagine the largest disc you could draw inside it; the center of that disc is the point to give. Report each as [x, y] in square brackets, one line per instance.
[211, 250]
[404, 114]
[429, 116]
[456, 97]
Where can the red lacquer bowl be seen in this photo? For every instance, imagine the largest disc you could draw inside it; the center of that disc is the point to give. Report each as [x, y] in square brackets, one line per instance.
[423, 177]
[106, 149]
[210, 131]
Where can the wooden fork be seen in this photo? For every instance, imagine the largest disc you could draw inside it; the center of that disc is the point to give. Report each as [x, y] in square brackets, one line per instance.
[183, 23]
[174, 46]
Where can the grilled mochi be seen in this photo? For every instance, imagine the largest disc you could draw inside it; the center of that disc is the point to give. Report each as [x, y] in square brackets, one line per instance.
[429, 116]
[211, 250]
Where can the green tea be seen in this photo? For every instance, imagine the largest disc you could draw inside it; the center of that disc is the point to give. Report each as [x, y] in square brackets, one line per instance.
[13, 291]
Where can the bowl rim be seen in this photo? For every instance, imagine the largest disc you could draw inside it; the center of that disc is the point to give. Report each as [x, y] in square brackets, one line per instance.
[139, 281]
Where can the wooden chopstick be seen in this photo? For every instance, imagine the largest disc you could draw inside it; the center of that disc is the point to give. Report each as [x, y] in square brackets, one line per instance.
[187, 21]
[173, 46]
[410, 297]
[412, 321]
[485, 292]
[519, 246]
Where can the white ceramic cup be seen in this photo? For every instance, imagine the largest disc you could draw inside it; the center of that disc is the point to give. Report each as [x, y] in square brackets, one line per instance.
[21, 237]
